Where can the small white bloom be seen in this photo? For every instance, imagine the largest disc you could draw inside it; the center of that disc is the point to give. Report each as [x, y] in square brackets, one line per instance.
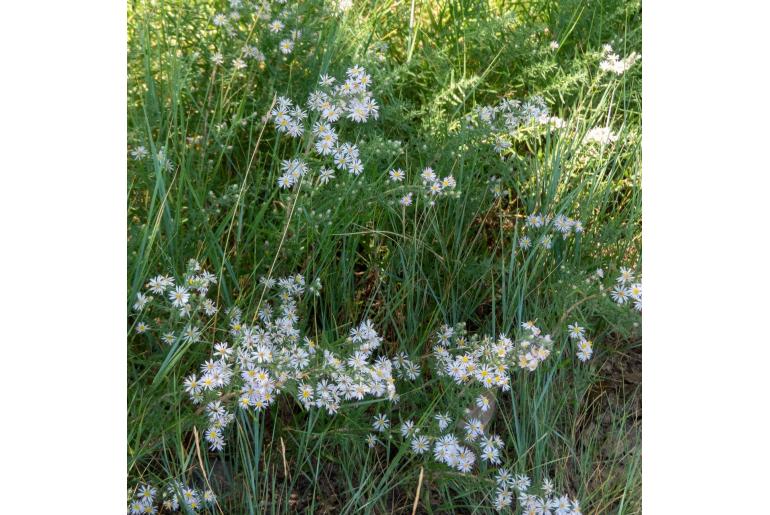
[381, 423]
[286, 46]
[397, 175]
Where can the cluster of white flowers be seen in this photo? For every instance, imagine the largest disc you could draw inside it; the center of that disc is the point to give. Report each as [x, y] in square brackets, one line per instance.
[479, 364]
[293, 170]
[559, 224]
[433, 186]
[288, 118]
[262, 11]
[585, 346]
[627, 289]
[462, 454]
[473, 361]
[350, 99]
[177, 497]
[446, 447]
[507, 118]
[613, 63]
[270, 357]
[258, 361]
[183, 301]
[405, 368]
[218, 416]
[143, 500]
[600, 135]
[485, 360]
[548, 503]
[483, 363]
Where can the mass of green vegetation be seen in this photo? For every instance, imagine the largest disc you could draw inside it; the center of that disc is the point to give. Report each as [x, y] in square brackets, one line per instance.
[357, 230]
